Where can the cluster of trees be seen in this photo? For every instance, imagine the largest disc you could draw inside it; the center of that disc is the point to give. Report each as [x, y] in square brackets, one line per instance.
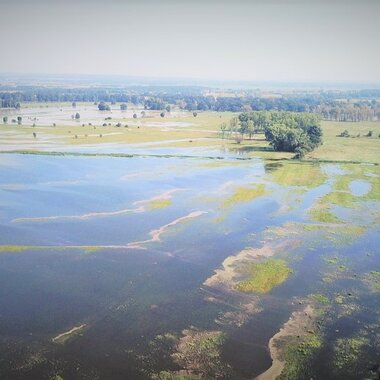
[102, 106]
[358, 111]
[333, 105]
[286, 131]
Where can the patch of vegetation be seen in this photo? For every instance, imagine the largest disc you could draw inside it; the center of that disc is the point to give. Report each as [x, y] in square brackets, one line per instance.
[298, 356]
[303, 174]
[199, 353]
[345, 235]
[373, 280]
[264, 276]
[320, 298]
[245, 194]
[91, 248]
[159, 203]
[332, 260]
[15, 248]
[348, 352]
[323, 215]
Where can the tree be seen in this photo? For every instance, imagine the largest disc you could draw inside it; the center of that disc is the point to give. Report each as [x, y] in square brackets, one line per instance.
[168, 108]
[135, 115]
[286, 131]
[195, 114]
[5, 119]
[162, 114]
[223, 128]
[19, 120]
[103, 107]
[73, 104]
[123, 107]
[77, 116]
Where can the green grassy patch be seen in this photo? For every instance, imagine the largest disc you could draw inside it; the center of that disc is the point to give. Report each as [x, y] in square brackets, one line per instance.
[159, 203]
[15, 248]
[320, 298]
[297, 356]
[244, 194]
[348, 351]
[264, 276]
[323, 215]
[303, 174]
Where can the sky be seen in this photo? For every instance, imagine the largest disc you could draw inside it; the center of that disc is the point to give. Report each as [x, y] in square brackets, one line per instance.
[262, 40]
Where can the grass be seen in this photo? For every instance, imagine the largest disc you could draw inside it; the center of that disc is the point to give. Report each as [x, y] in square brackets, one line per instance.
[320, 298]
[323, 215]
[15, 248]
[345, 149]
[22, 248]
[204, 131]
[348, 351]
[244, 194]
[341, 194]
[264, 276]
[159, 203]
[297, 357]
[307, 175]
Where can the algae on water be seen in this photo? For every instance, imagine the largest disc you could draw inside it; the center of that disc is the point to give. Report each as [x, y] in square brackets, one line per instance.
[264, 276]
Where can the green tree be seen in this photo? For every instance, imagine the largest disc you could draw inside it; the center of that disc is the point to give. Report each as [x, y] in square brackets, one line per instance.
[19, 120]
[77, 116]
[5, 119]
[123, 107]
[103, 107]
[223, 128]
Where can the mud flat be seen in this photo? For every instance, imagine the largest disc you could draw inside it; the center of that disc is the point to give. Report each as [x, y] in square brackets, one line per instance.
[62, 338]
[298, 324]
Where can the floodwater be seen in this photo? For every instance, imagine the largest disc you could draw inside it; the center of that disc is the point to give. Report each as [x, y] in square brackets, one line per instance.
[114, 253]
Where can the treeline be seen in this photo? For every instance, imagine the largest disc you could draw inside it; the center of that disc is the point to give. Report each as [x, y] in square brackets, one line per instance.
[296, 132]
[338, 106]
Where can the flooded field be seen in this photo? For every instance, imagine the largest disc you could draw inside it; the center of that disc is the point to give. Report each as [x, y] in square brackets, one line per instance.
[185, 268]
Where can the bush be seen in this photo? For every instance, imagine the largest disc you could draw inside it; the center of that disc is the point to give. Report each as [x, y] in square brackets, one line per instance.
[345, 133]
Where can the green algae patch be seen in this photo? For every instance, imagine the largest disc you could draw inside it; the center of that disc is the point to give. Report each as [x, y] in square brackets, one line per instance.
[372, 279]
[199, 354]
[244, 194]
[320, 298]
[91, 248]
[345, 235]
[303, 174]
[264, 276]
[159, 203]
[15, 248]
[322, 214]
[297, 356]
[348, 351]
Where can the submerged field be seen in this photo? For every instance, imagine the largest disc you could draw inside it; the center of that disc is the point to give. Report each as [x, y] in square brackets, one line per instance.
[184, 261]
[179, 132]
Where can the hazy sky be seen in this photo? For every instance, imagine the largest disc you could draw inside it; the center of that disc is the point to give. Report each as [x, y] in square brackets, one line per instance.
[287, 40]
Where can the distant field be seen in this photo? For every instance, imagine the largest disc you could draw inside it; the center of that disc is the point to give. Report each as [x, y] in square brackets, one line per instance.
[177, 129]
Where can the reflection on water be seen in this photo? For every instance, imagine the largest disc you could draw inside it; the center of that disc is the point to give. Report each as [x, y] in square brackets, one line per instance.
[131, 313]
